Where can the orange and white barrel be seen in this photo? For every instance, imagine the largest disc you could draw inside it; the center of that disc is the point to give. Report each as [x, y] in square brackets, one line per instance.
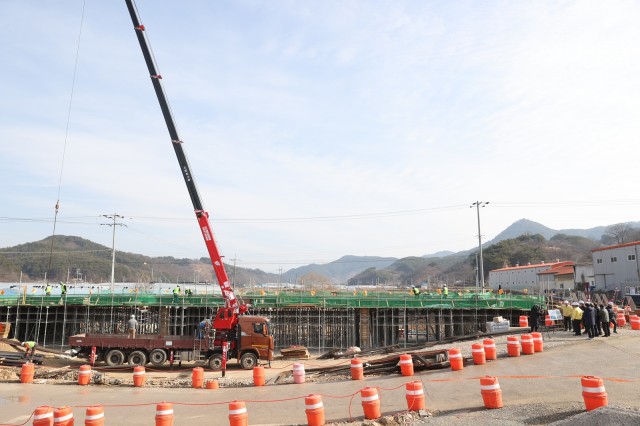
[593, 392]
[197, 378]
[84, 375]
[238, 415]
[43, 416]
[477, 351]
[526, 340]
[513, 346]
[314, 410]
[26, 372]
[63, 416]
[370, 403]
[538, 343]
[258, 376]
[138, 376]
[491, 392]
[524, 321]
[490, 351]
[357, 370]
[548, 321]
[212, 384]
[455, 359]
[94, 416]
[406, 365]
[415, 396]
[620, 319]
[164, 414]
[635, 322]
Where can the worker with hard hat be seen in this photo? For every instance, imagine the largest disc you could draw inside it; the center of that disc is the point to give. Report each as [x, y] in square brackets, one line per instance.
[566, 310]
[131, 325]
[576, 318]
[30, 349]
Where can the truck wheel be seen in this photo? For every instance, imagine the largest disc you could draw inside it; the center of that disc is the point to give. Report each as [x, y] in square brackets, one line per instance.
[248, 361]
[215, 362]
[114, 357]
[158, 357]
[137, 358]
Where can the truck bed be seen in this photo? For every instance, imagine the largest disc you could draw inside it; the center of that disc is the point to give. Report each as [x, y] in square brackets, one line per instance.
[146, 341]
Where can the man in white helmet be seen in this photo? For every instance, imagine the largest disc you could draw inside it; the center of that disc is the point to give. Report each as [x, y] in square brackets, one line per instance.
[566, 310]
[132, 324]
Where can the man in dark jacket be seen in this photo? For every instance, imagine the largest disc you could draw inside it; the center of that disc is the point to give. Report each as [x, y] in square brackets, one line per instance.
[589, 319]
[604, 321]
[534, 317]
[612, 317]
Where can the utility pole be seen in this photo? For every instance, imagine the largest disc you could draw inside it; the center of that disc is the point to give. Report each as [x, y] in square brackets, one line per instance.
[113, 217]
[479, 204]
[233, 282]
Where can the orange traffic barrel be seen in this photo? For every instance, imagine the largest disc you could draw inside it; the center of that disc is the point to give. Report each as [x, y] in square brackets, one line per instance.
[63, 416]
[357, 371]
[314, 410]
[26, 372]
[513, 346]
[479, 357]
[547, 321]
[620, 320]
[212, 384]
[526, 341]
[455, 359]
[524, 321]
[538, 343]
[370, 403]
[164, 414]
[406, 365]
[635, 322]
[197, 378]
[138, 376]
[490, 351]
[415, 396]
[238, 415]
[94, 416]
[298, 373]
[258, 376]
[491, 393]
[84, 375]
[593, 392]
[43, 416]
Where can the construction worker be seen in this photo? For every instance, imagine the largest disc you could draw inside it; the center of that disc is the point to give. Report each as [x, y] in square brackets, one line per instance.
[566, 310]
[30, 349]
[47, 290]
[131, 325]
[416, 291]
[612, 317]
[446, 291]
[576, 318]
[63, 288]
[176, 293]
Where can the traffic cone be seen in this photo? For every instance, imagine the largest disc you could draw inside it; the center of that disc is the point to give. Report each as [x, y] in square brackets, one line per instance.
[238, 415]
[490, 351]
[491, 392]
[164, 414]
[63, 416]
[84, 375]
[455, 359]
[406, 365]
[593, 392]
[357, 371]
[94, 416]
[138, 376]
[43, 416]
[479, 357]
[370, 403]
[314, 410]
[527, 344]
[415, 396]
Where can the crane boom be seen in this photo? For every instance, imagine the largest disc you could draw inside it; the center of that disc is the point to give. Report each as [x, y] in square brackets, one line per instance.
[201, 215]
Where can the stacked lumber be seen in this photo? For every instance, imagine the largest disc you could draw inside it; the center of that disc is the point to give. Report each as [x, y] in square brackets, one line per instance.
[295, 352]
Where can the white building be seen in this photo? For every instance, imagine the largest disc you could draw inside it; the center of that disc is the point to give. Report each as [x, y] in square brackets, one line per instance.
[616, 267]
[537, 277]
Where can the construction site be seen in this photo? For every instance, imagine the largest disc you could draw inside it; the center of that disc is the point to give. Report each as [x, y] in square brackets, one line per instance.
[318, 320]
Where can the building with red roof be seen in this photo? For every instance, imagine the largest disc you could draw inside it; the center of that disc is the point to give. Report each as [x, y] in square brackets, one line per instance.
[539, 277]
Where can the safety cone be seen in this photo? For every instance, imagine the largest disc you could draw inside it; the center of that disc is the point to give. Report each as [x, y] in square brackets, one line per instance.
[490, 352]
[491, 393]
[298, 373]
[63, 416]
[258, 376]
[593, 393]
[479, 357]
[314, 410]
[94, 416]
[164, 414]
[84, 375]
[370, 403]
[406, 365]
[455, 359]
[43, 416]
[238, 415]
[513, 346]
[538, 343]
[357, 371]
[527, 344]
[415, 396]
[138, 376]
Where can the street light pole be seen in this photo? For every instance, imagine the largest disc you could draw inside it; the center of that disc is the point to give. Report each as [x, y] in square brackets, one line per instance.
[114, 217]
[479, 204]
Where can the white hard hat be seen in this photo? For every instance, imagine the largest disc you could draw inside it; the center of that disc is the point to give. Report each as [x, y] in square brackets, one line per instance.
[133, 316]
[566, 301]
[574, 304]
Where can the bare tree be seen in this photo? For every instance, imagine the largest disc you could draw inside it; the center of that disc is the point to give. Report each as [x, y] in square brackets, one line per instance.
[618, 233]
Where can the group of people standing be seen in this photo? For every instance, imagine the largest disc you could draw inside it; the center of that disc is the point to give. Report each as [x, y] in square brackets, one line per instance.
[595, 319]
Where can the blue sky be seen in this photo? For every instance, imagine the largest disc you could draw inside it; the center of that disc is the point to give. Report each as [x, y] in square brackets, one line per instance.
[318, 129]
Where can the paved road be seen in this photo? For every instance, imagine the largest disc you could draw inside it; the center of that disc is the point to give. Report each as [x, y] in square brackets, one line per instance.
[552, 376]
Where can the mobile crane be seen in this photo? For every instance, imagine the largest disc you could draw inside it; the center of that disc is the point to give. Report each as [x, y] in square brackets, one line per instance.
[233, 334]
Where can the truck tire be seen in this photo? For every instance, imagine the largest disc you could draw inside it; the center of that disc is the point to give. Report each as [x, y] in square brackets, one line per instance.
[215, 362]
[158, 357]
[137, 358]
[114, 357]
[248, 361]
